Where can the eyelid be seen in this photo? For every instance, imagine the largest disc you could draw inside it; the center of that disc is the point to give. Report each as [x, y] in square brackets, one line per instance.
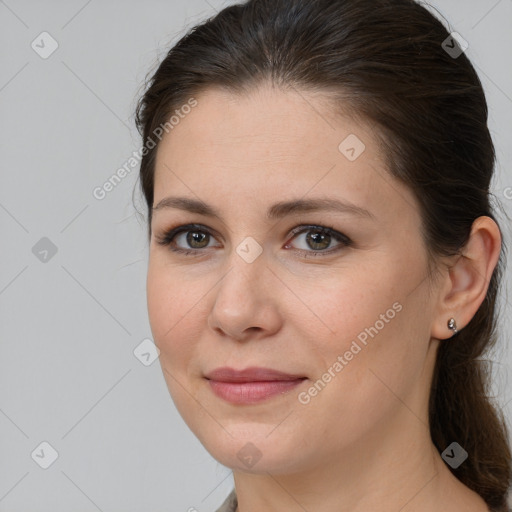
[321, 229]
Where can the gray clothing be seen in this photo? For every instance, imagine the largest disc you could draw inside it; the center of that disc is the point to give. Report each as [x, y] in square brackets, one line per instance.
[229, 504]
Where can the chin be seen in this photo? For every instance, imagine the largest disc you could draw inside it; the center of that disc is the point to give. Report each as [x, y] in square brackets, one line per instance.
[251, 449]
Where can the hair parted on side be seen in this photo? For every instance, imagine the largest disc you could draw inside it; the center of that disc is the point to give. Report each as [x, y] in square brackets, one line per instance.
[383, 61]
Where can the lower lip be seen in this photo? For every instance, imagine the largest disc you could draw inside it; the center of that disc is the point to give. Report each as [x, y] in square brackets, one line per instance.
[252, 392]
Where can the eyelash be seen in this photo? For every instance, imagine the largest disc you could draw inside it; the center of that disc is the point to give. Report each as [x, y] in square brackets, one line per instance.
[167, 238]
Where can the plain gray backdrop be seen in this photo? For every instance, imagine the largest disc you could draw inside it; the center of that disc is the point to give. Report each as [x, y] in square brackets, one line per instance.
[73, 267]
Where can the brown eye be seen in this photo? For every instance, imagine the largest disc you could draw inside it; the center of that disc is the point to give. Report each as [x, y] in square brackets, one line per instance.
[197, 237]
[318, 240]
[190, 239]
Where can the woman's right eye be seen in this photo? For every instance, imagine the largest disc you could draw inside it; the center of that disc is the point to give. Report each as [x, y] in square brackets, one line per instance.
[193, 235]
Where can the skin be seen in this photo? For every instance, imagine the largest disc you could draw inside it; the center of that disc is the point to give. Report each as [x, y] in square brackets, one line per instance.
[362, 443]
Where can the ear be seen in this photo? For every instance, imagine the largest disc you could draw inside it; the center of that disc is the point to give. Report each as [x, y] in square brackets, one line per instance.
[464, 285]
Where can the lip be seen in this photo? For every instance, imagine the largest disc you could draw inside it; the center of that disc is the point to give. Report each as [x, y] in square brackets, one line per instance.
[251, 385]
[252, 374]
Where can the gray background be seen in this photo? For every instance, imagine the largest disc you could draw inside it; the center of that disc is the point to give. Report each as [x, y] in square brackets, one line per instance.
[69, 325]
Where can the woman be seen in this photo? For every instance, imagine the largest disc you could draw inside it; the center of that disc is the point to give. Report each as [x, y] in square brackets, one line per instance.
[324, 260]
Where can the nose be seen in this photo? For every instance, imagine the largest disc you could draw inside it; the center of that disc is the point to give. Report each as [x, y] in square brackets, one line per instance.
[246, 303]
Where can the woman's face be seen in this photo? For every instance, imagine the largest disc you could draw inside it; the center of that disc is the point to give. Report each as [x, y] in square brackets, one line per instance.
[349, 323]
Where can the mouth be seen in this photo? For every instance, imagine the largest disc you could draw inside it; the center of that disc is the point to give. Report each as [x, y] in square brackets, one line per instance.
[251, 385]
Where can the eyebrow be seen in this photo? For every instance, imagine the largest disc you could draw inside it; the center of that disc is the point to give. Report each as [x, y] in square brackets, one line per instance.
[276, 211]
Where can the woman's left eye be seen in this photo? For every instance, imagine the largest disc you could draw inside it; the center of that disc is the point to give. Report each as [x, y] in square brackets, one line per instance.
[197, 237]
[319, 238]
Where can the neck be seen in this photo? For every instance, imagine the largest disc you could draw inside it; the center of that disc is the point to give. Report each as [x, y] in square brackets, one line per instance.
[405, 472]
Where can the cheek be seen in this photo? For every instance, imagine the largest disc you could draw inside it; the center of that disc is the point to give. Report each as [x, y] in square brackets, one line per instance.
[368, 317]
[161, 306]
[171, 321]
[170, 308]
[381, 340]
[354, 305]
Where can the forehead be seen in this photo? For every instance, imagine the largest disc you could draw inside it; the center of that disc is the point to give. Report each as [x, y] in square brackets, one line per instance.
[267, 121]
[269, 145]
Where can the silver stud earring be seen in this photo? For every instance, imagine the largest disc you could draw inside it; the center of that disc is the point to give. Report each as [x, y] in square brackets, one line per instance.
[452, 325]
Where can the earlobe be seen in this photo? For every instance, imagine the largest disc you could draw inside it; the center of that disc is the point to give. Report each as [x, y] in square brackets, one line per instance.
[452, 324]
[467, 279]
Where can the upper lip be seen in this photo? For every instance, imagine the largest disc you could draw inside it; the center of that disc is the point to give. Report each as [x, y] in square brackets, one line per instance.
[252, 374]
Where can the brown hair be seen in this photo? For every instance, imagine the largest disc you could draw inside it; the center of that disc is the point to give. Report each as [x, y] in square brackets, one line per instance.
[386, 61]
